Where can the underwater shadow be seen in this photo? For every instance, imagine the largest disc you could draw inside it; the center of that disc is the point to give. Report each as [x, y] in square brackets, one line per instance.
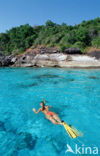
[94, 77]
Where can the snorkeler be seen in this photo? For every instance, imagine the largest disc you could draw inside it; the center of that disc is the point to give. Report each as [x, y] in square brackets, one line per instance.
[53, 117]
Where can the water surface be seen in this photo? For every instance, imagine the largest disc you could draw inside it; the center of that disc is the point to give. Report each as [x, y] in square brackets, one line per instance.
[74, 95]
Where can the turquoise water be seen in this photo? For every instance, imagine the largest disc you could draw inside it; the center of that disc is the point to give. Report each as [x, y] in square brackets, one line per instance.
[74, 95]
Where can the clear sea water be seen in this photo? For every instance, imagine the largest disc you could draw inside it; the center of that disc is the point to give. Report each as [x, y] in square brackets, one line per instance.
[75, 97]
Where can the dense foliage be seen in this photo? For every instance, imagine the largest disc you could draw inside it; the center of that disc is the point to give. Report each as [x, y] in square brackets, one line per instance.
[18, 39]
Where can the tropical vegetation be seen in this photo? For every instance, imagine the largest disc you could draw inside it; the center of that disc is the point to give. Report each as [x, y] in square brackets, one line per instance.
[84, 35]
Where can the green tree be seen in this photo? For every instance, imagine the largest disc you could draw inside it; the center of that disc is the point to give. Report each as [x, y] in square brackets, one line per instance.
[18, 39]
[83, 36]
[96, 42]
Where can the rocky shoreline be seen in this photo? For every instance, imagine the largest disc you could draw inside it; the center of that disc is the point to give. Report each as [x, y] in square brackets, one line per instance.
[51, 57]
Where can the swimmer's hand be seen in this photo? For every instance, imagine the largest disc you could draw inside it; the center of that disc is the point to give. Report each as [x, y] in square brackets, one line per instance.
[34, 110]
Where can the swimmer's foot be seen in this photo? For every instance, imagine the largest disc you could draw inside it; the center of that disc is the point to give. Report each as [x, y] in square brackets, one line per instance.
[61, 123]
[58, 123]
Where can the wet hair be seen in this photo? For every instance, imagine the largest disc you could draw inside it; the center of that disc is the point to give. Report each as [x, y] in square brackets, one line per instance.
[42, 103]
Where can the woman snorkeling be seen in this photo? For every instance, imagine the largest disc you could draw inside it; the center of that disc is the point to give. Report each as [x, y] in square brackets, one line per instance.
[53, 117]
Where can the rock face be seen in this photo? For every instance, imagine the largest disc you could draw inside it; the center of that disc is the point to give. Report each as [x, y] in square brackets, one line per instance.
[39, 57]
[40, 60]
[82, 58]
[5, 60]
[50, 57]
[56, 60]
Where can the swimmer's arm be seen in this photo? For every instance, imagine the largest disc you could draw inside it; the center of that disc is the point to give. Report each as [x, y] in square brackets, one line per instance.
[34, 110]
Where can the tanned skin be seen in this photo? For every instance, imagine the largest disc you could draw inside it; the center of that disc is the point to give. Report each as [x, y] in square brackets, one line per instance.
[45, 109]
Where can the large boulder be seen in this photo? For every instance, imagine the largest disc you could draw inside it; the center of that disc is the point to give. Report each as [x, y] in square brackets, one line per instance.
[23, 59]
[5, 60]
[95, 53]
[72, 51]
[51, 50]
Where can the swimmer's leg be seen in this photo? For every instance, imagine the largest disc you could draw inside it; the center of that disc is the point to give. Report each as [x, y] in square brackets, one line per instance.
[52, 120]
[55, 116]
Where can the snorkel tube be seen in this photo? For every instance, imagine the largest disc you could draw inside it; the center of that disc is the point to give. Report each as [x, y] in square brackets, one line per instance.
[44, 100]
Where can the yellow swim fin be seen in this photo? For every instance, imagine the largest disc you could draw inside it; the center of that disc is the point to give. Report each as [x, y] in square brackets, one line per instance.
[73, 133]
[76, 131]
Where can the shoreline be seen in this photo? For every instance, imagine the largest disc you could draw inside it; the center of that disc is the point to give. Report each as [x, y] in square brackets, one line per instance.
[73, 65]
[58, 60]
[90, 68]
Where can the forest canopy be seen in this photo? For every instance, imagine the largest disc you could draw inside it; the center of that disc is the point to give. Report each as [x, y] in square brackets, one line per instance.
[84, 35]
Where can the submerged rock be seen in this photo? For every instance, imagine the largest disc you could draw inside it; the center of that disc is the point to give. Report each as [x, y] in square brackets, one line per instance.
[46, 76]
[23, 152]
[28, 85]
[70, 79]
[25, 140]
[2, 126]
[93, 77]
